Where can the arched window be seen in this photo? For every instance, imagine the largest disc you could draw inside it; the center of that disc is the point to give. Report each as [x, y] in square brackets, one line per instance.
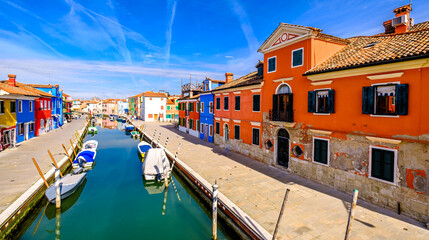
[284, 89]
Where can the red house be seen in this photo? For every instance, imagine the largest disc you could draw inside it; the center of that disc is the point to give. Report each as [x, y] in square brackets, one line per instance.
[189, 115]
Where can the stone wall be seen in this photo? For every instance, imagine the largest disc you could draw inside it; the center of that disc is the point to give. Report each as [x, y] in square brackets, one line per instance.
[252, 151]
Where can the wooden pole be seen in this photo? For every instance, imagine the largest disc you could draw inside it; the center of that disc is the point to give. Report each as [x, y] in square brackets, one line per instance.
[166, 142]
[164, 204]
[67, 153]
[351, 214]
[159, 138]
[153, 138]
[175, 157]
[40, 172]
[53, 160]
[58, 224]
[214, 211]
[57, 189]
[281, 214]
[73, 148]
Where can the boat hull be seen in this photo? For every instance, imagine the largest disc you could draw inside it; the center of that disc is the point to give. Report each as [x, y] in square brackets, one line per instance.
[68, 185]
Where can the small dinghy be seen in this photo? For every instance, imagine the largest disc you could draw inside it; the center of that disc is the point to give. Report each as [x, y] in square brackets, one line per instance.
[68, 185]
[119, 119]
[84, 159]
[135, 134]
[92, 130]
[129, 127]
[155, 164]
[90, 145]
[143, 147]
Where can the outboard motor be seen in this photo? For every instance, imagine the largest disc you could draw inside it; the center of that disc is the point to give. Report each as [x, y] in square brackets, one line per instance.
[81, 161]
[77, 171]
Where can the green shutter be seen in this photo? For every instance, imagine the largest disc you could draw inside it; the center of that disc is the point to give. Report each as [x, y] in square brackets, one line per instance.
[198, 107]
[368, 100]
[331, 101]
[401, 99]
[198, 125]
[180, 121]
[311, 101]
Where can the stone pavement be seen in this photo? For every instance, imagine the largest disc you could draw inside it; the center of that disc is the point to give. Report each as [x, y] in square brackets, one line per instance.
[313, 211]
[17, 171]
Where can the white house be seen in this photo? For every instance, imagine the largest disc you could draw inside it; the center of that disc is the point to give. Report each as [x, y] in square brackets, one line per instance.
[153, 107]
[122, 106]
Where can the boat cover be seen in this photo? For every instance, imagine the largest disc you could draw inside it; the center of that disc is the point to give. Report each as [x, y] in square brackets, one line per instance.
[88, 155]
[143, 147]
[90, 145]
[153, 162]
[68, 184]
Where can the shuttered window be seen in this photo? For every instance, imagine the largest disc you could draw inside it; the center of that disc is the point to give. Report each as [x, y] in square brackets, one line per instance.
[217, 128]
[180, 106]
[191, 124]
[382, 164]
[320, 150]
[202, 107]
[321, 101]
[385, 99]
[272, 64]
[12, 106]
[180, 121]
[237, 132]
[237, 103]
[255, 136]
[198, 106]
[297, 57]
[198, 125]
[256, 103]
[1, 107]
[218, 103]
[226, 103]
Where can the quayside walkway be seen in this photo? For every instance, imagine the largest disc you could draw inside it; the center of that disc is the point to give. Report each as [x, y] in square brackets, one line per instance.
[17, 171]
[313, 211]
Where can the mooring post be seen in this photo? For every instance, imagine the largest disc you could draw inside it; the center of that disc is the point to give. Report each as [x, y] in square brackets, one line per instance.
[74, 151]
[166, 142]
[57, 189]
[281, 214]
[67, 153]
[214, 212]
[40, 172]
[157, 141]
[53, 160]
[58, 225]
[351, 214]
[153, 138]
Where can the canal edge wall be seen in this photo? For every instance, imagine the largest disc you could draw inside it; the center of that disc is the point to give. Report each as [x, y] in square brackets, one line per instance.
[231, 213]
[13, 216]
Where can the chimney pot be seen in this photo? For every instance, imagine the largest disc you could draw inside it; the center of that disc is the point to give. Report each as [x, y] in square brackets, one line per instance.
[228, 77]
[11, 81]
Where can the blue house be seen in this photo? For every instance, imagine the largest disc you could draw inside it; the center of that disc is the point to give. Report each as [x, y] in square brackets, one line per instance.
[207, 109]
[56, 103]
[25, 118]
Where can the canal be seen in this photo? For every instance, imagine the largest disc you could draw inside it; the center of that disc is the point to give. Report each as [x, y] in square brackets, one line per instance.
[116, 203]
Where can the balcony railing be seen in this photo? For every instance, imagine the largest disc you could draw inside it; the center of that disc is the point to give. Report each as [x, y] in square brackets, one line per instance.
[192, 87]
[281, 116]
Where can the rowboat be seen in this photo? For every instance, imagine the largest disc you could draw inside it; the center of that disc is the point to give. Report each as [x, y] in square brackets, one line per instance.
[155, 164]
[143, 147]
[92, 130]
[129, 127]
[135, 134]
[85, 158]
[68, 185]
[90, 145]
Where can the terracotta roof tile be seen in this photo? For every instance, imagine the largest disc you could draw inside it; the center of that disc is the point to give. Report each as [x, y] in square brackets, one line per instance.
[154, 94]
[42, 85]
[386, 48]
[22, 89]
[419, 26]
[249, 79]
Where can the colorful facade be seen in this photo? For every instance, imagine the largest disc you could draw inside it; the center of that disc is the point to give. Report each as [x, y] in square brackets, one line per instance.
[43, 115]
[153, 106]
[56, 102]
[172, 112]
[189, 115]
[207, 109]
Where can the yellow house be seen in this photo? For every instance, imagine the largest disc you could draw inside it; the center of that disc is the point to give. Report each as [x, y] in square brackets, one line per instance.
[7, 112]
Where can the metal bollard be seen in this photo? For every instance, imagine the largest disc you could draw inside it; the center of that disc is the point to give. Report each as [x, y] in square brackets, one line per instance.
[57, 189]
[351, 214]
[214, 212]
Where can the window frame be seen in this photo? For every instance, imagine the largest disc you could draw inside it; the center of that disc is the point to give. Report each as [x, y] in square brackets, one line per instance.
[2, 108]
[10, 103]
[253, 102]
[202, 107]
[302, 64]
[268, 64]
[20, 106]
[20, 128]
[217, 105]
[316, 103]
[210, 107]
[31, 106]
[217, 126]
[202, 128]
[235, 133]
[375, 85]
[235, 103]
[226, 106]
[210, 130]
[259, 137]
[327, 152]
[395, 164]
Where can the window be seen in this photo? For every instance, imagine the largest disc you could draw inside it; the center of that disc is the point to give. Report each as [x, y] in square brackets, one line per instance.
[321, 101]
[202, 128]
[31, 106]
[184, 122]
[191, 107]
[237, 103]
[272, 64]
[198, 106]
[6, 137]
[32, 127]
[12, 106]
[20, 106]
[217, 128]
[297, 57]
[162, 107]
[168, 115]
[20, 128]
[225, 103]
[210, 107]
[237, 132]
[191, 124]
[218, 103]
[177, 107]
[256, 103]
[1, 107]
[320, 150]
[150, 116]
[391, 99]
[255, 136]
[202, 107]
[211, 130]
[168, 107]
[383, 163]
[198, 125]
[180, 121]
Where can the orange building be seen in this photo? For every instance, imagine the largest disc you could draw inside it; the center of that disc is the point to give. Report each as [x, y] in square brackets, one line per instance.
[189, 115]
[352, 113]
[238, 113]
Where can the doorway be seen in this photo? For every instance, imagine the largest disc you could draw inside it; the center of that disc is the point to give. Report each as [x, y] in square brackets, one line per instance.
[225, 132]
[283, 148]
[206, 132]
[26, 131]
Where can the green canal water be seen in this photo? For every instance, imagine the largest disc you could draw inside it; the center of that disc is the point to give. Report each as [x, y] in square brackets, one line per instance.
[116, 203]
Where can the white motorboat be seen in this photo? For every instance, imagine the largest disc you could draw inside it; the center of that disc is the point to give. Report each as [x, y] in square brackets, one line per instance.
[90, 145]
[155, 164]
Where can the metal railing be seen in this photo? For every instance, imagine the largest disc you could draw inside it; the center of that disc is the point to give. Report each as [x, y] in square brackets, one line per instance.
[281, 116]
[192, 87]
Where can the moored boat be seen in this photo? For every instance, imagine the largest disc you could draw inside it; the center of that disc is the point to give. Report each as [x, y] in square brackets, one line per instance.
[129, 127]
[143, 147]
[135, 133]
[92, 130]
[155, 164]
[68, 185]
[90, 145]
[84, 158]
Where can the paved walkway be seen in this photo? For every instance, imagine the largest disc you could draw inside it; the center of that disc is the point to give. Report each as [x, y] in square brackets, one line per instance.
[17, 171]
[313, 211]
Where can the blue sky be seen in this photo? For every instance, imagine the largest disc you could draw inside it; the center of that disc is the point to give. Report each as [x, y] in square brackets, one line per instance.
[115, 49]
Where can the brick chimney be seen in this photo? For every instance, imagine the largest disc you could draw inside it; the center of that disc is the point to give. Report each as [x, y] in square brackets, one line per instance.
[229, 77]
[388, 28]
[11, 81]
[401, 11]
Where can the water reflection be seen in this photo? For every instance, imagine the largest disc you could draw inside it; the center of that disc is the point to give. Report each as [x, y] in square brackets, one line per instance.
[65, 203]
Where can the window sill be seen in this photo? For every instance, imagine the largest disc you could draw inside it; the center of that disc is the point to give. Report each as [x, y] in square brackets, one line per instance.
[385, 116]
[383, 181]
[319, 163]
[326, 114]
